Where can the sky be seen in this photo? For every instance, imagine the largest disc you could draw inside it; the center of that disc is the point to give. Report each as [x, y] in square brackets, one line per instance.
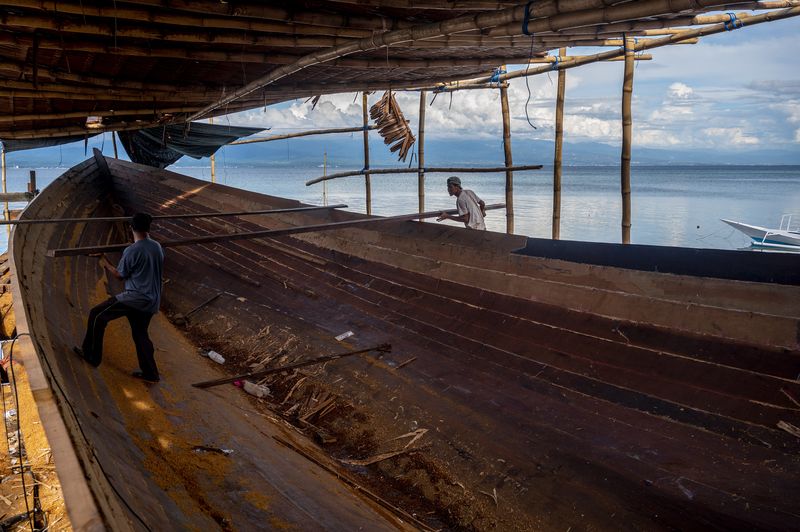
[733, 91]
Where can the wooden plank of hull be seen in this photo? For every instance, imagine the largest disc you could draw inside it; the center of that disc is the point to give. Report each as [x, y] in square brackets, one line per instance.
[514, 360]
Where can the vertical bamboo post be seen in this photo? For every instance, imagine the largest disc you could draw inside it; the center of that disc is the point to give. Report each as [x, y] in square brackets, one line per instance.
[114, 142]
[421, 151]
[367, 183]
[559, 143]
[5, 189]
[509, 162]
[213, 159]
[325, 183]
[627, 126]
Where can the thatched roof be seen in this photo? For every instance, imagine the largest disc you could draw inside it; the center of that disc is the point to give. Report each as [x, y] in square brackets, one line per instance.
[136, 63]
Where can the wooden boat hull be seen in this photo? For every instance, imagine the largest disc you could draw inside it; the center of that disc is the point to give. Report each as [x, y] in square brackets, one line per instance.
[568, 382]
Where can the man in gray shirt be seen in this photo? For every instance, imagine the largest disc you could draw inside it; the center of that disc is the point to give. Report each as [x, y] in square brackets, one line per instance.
[140, 267]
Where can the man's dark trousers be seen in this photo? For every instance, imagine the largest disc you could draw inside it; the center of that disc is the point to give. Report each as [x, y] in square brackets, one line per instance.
[112, 309]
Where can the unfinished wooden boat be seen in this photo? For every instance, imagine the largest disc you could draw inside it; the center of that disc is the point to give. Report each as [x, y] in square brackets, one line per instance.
[532, 384]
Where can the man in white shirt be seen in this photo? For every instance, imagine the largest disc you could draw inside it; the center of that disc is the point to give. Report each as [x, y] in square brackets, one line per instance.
[471, 209]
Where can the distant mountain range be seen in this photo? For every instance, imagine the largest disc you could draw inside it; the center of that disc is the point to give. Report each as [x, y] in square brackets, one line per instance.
[346, 151]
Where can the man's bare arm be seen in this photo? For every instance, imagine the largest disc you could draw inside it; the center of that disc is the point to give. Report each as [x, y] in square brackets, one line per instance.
[105, 263]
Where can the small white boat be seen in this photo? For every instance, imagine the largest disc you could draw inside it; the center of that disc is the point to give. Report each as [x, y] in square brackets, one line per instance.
[787, 236]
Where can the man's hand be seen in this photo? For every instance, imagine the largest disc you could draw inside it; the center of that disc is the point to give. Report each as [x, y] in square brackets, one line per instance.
[442, 216]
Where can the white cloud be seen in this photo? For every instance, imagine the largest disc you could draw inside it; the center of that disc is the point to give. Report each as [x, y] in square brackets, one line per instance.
[680, 90]
[797, 136]
[731, 135]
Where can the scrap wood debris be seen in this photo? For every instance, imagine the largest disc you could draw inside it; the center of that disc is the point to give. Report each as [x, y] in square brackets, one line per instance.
[415, 435]
[788, 427]
[392, 125]
[379, 457]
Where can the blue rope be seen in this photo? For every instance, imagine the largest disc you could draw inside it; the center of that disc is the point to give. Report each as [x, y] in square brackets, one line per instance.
[733, 22]
[527, 18]
[554, 66]
[496, 76]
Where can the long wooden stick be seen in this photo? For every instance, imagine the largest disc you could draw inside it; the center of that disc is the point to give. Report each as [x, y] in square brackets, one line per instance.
[174, 216]
[383, 348]
[430, 170]
[209, 239]
[301, 134]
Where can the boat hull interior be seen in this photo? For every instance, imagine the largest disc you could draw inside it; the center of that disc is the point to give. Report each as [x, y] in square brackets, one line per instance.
[542, 386]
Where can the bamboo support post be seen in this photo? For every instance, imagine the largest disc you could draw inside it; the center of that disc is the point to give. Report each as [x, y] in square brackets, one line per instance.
[559, 140]
[627, 126]
[213, 159]
[5, 190]
[174, 216]
[114, 142]
[508, 160]
[209, 239]
[428, 170]
[367, 181]
[421, 151]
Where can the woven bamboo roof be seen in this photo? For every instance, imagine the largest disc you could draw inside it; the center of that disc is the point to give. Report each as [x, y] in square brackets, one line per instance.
[137, 63]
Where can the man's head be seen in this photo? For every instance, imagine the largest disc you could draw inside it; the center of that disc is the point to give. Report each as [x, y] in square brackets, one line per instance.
[453, 185]
[140, 222]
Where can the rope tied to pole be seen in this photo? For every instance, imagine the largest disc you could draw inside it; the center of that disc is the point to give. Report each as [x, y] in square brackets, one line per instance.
[733, 22]
[499, 71]
[526, 19]
[555, 64]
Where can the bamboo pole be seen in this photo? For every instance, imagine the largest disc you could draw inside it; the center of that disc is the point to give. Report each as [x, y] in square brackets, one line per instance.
[193, 216]
[114, 142]
[423, 96]
[647, 44]
[3, 175]
[559, 141]
[550, 59]
[627, 126]
[429, 170]
[83, 114]
[367, 181]
[213, 158]
[509, 161]
[302, 134]
[209, 239]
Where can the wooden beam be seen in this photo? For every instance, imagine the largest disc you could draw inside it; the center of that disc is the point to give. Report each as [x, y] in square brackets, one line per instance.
[383, 348]
[146, 31]
[14, 196]
[156, 217]
[160, 16]
[209, 239]
[431, 170]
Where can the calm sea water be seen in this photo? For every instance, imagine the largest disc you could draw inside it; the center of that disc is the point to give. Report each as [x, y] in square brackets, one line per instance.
[672, 205]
